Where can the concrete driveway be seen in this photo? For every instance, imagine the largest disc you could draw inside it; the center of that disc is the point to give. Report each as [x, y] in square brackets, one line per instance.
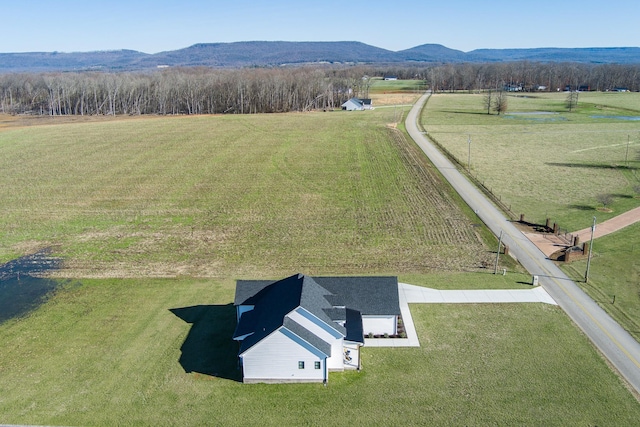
[411, 294]
[418, 294]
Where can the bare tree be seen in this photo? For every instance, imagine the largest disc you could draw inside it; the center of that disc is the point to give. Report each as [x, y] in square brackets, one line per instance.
[500, 102]
[605, 198]
[487, 100]
[572, 100]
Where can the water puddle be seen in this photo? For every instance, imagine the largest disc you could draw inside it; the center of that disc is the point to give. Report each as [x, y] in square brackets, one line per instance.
[628, 118]
[535, 116]
[23, 285]
[531, 113]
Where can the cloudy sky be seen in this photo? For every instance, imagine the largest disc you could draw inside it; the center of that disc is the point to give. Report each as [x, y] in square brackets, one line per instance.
[158, 25]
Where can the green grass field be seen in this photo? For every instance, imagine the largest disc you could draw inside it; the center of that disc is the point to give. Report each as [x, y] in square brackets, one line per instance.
[111, 352]
[381, 85]
[230, 196]
[546, 165]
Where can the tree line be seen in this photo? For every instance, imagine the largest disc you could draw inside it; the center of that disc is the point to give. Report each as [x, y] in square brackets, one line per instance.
[523, 75]
[274, 90]
[175, 91]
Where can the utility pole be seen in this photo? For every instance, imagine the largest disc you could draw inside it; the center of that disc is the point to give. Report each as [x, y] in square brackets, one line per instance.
[495, 268]
[469, 158]
[593, 229]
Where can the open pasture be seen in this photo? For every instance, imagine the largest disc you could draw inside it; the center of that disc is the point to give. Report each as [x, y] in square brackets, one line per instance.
[158, 352]
[541, 159]
[230, 196]
[391, 86]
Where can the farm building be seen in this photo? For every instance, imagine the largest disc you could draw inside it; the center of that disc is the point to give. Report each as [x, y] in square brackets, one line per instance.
[299, 328]
[357, 104]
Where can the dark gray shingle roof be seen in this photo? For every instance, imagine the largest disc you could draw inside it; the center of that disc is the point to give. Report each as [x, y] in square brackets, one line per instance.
[324, 297]
[368, 294]
[272, 301]
[375, 295]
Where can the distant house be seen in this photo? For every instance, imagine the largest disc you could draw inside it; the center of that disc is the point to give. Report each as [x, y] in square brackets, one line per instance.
[299, 328]
[357, 104]
[390, 78]
[513, 87]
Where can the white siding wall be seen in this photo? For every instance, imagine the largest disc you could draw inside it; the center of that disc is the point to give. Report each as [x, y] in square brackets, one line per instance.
[329, 335]
[379, 324]
[276, 358]
[351, 106]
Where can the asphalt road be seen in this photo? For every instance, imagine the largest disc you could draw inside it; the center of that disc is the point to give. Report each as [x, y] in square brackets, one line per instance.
[622, 351]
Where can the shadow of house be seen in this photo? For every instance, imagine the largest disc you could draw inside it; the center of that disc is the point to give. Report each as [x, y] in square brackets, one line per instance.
[208, 348]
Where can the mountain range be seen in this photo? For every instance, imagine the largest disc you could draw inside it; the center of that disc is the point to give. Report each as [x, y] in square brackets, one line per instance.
[280, 53]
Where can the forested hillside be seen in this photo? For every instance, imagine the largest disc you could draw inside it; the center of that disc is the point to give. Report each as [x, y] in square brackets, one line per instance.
[279, 53]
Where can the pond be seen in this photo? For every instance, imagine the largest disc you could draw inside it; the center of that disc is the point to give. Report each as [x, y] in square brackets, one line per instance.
[23, 286]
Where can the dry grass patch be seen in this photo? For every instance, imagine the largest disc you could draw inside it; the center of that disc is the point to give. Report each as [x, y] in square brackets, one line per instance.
[390, 99]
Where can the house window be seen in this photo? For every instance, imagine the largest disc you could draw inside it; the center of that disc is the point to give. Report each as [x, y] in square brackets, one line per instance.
[316, 365]
[301, 364]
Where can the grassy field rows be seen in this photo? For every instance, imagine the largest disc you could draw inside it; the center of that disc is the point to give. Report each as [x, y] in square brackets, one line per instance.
[227, 196]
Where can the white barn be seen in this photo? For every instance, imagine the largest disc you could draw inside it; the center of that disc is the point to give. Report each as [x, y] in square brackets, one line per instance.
[299, 328]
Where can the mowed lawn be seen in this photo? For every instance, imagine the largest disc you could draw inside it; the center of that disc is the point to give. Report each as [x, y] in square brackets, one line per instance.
[158, 352]
[230, 196]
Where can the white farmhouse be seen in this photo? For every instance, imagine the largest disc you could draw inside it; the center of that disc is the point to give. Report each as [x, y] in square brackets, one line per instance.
[299, 328]
[357, 104]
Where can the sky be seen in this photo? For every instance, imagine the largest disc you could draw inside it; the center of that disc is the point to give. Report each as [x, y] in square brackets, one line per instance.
[153, 26]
